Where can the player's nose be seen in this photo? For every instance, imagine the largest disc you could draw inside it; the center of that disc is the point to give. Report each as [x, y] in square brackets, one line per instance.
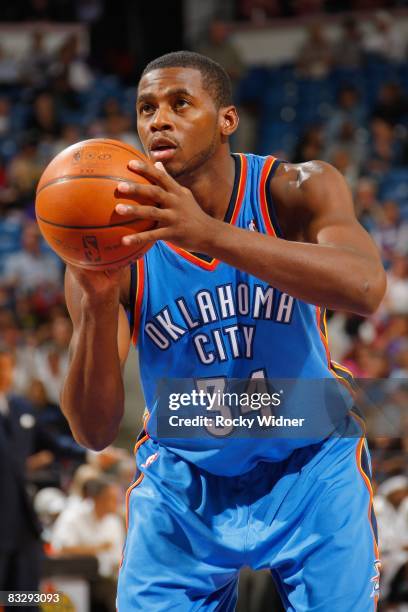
[161, 121]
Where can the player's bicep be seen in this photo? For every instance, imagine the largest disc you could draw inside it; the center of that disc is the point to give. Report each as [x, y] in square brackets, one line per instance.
[332, 220]
[347, 234]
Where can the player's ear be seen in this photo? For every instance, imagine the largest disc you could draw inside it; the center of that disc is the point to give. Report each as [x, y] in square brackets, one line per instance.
[228, 119]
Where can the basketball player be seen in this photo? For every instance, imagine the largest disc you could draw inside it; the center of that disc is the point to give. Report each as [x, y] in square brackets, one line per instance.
[247, 252]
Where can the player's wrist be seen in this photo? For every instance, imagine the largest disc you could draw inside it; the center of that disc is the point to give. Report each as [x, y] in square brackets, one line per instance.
[101, 302]
[209, 236]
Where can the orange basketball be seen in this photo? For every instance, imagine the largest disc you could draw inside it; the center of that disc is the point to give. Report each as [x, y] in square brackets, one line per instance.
[76, 199]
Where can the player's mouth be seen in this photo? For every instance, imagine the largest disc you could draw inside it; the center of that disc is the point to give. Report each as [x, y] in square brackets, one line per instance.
[162, 149]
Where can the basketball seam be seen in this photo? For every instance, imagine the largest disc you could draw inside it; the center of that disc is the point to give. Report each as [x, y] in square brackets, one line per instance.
[66, 179]
[87, 227]
[112, 143]
[103, 263]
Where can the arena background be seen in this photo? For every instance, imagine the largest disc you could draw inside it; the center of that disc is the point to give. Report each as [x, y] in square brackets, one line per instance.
[313, 79]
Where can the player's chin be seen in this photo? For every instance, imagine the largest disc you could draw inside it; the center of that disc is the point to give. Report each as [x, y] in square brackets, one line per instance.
[174, 167]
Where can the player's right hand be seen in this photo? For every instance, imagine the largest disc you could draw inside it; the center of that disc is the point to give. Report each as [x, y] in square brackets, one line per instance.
[102, 284]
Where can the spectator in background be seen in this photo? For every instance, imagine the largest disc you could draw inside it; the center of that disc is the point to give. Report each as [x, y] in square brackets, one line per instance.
[392, 334]
[384, 38]
[117, 124]
[315, 56]
[5, 119]
[25, 449]
[347, 112]
[95, 530]
[44, 120]
[20, 544]
[351, 142]
[366, 361]
[9, 70]
[391, 231]
[384, 149]
[342, 160]
[367, 206]
[396, 297]
[391, 514]
[51, 360]
[49, 502]
[48, 414]
[70, 134]
[400, 369]
[348, 50]
[77, 491]
[392, 105]
[34, 65]
[219, 48]
[30, 268]
[8, 194]
[259, 10]
[310, 145]
[71, 65]
[24, 171]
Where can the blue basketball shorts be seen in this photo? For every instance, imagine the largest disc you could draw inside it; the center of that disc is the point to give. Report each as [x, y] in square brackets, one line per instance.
[309, 519]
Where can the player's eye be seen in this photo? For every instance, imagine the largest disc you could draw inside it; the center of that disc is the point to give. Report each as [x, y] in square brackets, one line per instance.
[180, 103]
[146, 109]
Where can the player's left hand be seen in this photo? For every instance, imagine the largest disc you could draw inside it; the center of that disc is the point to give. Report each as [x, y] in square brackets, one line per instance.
[177, 214]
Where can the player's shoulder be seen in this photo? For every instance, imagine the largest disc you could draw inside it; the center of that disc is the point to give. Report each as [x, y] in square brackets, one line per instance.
[294, 182]
[300, 173]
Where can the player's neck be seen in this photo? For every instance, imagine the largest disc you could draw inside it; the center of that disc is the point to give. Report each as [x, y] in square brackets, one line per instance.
[212, 184]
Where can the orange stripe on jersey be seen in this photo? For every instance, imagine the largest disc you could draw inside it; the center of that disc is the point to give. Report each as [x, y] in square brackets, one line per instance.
[211, 265]
[241, 188]
[137, 481]
[366, 479]
[342, 367]
[321, 325]
[322, 336]
[139, 298]
[334, 364]
[266, 170]
[206, 265]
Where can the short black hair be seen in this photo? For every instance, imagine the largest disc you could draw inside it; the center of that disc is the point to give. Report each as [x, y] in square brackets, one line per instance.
[214, 78]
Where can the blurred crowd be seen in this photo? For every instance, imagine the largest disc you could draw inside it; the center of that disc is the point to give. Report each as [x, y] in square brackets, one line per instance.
[343, 101]
[255, 10]
[258, 10]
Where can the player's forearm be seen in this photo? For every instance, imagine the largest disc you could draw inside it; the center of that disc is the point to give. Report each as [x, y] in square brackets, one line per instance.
[328, 276]
[93, 395]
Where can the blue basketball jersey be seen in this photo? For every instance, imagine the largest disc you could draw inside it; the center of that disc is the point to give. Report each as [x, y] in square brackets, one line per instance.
[198, 318]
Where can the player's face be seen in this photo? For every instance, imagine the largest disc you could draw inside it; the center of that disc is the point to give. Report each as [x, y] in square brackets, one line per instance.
[178, 122]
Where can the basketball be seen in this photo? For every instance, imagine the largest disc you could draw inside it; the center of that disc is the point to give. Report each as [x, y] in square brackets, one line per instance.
[75, 204]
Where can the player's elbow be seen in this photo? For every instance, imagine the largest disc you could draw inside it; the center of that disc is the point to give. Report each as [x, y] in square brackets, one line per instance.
[372, 292]
[95, 441]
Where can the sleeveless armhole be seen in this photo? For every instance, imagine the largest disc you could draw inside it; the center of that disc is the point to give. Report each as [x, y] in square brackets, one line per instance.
[138, 297]
[267, 207]
[132, 298]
